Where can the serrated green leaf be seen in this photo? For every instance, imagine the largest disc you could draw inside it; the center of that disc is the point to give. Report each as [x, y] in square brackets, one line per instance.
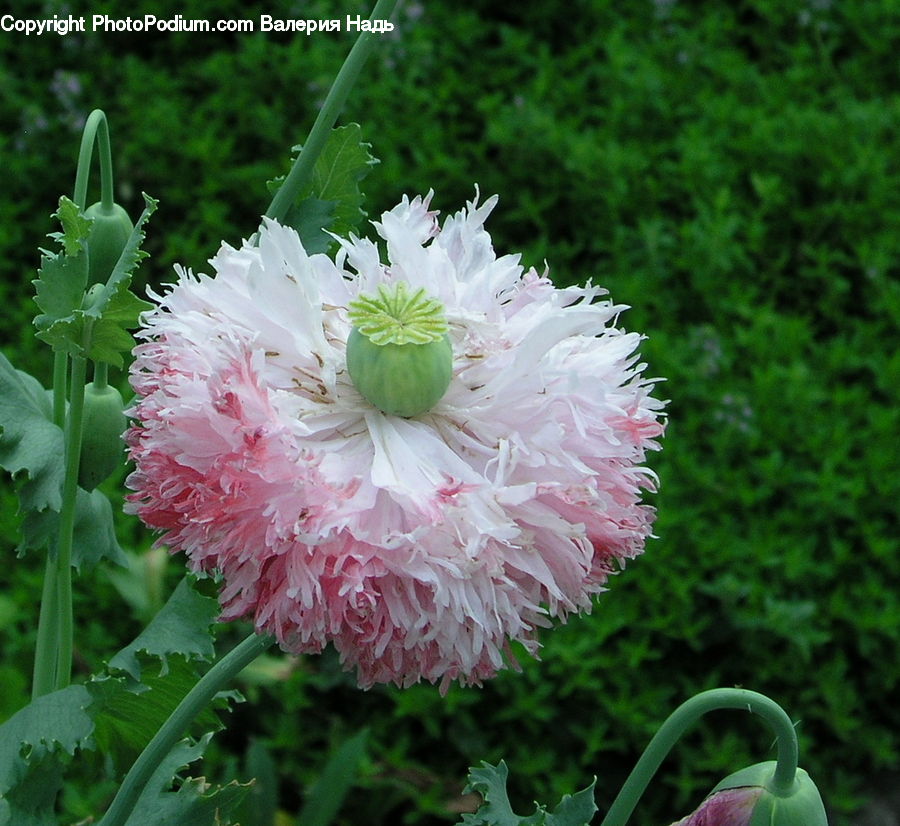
[33, 745]
[128, 714]
[195, 803]
[94, 536]
[62, 278]
[60, 288]
[344, 162]
[29, 441]
[29, 803]
[100, 331]
[574, 809]
[181, 627]
[490, 782]
[309, 218]
[76, 227]
[109, 333]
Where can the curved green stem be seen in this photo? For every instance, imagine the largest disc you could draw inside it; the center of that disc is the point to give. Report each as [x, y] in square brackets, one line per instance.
[96, 130]
[174, 728]
[686, 715]
[302, 169]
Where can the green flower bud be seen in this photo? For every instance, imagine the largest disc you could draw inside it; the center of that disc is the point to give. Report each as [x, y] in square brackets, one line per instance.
[108, 236]
[103, 424]
[92, 296]
[399, 355]
[751, 798]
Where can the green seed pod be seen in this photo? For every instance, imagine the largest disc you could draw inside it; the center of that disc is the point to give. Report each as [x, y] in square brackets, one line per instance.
[400, 379]
[108, 236]
[398, 354]
[103, 424]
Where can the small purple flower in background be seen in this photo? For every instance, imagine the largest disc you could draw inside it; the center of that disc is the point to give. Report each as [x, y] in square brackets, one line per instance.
[420, 546]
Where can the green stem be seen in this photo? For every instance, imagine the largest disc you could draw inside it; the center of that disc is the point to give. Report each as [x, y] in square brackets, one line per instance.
[96, 130]
[45, 653]
[53, 649]
[44, 679]
[175, 727]
[686, 715]
[60, 382]
[101, 374]
[67, 524]
[302, 169]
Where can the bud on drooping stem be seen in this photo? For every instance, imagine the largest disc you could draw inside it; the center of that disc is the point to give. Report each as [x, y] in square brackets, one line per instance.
[798, 805]
[109, 233]
[399, 355]
[774, 793]
[750, 797]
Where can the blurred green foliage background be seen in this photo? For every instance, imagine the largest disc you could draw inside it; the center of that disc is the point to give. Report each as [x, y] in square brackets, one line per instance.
[730, 170]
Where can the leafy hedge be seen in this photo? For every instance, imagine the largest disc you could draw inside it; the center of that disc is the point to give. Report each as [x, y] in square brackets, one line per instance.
[729, 170]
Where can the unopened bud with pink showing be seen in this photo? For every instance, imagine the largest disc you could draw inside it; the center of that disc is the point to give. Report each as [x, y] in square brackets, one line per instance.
[751, 797]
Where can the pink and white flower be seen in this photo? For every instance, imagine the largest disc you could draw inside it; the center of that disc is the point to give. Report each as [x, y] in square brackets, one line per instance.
[419, 547]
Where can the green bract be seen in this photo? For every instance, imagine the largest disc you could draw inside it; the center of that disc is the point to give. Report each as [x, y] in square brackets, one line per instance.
[109, 233]
[101, 440]
[801, 805]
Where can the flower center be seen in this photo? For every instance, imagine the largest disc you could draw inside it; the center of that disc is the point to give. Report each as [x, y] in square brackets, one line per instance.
[397, 316]
[399, 355]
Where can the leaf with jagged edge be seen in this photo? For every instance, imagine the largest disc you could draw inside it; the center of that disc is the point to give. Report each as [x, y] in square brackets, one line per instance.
[310, 218]
[148, 678]
[94, 534]
[181, 627]
[128, 714]
[35, 744]
[75, 225]
[99, 331]
[490, 782]
[194, 803]
[59, 288]
[119, 713]
[29, 441]
[332, 198]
